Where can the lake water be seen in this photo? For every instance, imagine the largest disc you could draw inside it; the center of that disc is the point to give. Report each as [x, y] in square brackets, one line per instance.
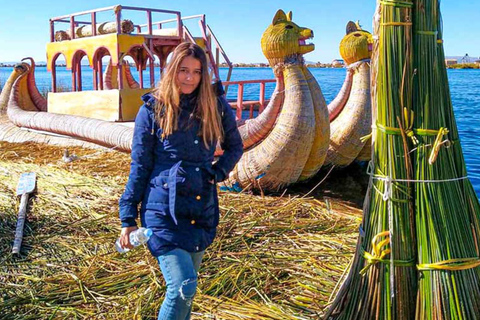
[464, 86]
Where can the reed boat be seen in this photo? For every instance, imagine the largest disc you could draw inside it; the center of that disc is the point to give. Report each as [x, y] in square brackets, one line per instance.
[286, 137]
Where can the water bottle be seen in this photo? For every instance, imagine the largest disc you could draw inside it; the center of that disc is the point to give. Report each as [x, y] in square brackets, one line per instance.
[137, 237]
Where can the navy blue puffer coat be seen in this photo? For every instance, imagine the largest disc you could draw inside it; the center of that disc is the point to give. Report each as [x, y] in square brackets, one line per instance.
[174, 180]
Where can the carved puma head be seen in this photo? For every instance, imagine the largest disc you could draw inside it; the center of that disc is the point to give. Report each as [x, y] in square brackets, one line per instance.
[284, 39]
[357, 44]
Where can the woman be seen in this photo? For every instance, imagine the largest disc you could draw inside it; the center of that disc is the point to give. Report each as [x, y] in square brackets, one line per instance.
[172, 176]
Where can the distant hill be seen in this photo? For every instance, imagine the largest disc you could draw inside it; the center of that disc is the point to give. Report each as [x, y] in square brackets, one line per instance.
[470, 59]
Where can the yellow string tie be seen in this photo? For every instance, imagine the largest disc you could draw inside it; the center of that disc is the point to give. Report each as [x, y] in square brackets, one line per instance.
[402, 4]
[427, 33]
[378, 253]
[451, 265]
[395, 24]
[397, 131]
[437, 144]
[409, 125]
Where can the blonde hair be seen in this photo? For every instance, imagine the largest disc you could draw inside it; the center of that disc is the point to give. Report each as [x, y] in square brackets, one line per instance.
[167, 94]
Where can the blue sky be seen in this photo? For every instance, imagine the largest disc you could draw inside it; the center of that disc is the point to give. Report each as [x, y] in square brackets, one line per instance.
[238, 24]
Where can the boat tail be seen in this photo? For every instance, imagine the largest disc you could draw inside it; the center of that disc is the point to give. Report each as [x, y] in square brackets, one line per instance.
[110, 77]
[253, 131]
[354, 122]
[322, 128]
[18, 71]
[38, 100]
[337, 104]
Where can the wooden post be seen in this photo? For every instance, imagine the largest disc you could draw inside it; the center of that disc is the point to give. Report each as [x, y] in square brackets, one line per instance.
[119, 75]
[94, 24]
[152, 64]
[140, 72]
[54, 76]
[79, 75]
[118, 19]
[180, 26]
[72, 27]
[52, 31]
[74, 75]
[100, 73]
[149, 22]
[95, 75]
[262, 97]
[239, 101]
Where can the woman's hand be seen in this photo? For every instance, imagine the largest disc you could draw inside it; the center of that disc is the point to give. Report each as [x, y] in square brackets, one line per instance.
[125, 237]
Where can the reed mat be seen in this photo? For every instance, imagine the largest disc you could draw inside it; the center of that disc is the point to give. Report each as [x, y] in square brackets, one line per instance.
[275, 257]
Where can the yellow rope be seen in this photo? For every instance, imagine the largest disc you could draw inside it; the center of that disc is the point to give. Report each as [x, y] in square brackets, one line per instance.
[451, 265]
[437, 144]
[396, 24]
[403, 4]
[396, 131]
[427, 33]
[378, 254]
[409, 125]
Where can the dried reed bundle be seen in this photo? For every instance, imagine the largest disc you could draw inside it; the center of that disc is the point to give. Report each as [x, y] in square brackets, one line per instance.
[102, 28]
[61, 35]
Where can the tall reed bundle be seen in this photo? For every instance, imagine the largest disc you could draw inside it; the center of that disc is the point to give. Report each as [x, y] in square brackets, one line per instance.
[443, 240]
[447, 208]
[382, 281]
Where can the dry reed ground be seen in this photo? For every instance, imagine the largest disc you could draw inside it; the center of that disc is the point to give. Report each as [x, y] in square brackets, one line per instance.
[275, 257]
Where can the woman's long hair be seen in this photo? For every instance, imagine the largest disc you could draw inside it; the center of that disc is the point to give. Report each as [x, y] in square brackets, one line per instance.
[168, 93]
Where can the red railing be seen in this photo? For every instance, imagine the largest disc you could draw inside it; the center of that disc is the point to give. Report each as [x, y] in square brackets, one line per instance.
[240, 104]
[117, 10]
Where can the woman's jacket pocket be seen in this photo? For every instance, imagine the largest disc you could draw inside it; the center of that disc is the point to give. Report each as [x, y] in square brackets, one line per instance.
[157, 193]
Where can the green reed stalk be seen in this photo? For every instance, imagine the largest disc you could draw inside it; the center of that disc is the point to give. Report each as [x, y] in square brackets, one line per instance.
[385, 287]
[448, 213]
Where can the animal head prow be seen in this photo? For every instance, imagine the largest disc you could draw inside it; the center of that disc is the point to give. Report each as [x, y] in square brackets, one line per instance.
[284, 39]
[357, 43]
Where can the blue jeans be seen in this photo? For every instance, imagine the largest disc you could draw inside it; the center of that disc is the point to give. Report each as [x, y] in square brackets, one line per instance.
[179, 268]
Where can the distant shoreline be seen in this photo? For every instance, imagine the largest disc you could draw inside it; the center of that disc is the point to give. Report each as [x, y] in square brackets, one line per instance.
[326, 65]
[308, 65]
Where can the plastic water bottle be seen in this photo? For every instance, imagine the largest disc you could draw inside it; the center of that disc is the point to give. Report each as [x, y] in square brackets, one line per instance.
[137, 237]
